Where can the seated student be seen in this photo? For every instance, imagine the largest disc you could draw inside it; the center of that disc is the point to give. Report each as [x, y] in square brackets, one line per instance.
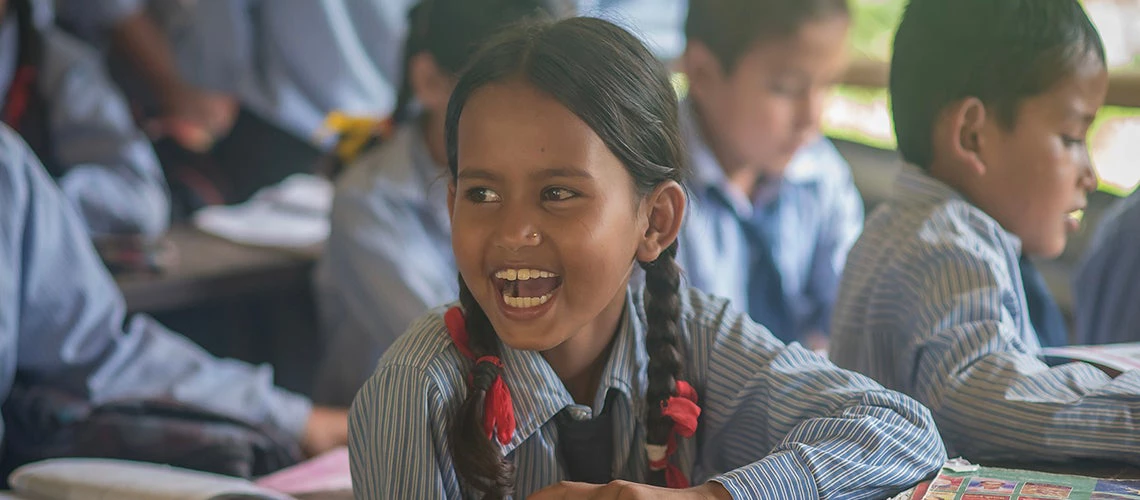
[565, 160]
[225, 73]
[388, 258]
[1107, 283]
[775, 208]
[58, 98]
[992, 102]
[63, 322]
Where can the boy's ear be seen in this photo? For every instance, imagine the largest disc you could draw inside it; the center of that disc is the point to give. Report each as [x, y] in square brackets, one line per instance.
[702, 69]
[665, 210]
[430, 84]
[960, 134]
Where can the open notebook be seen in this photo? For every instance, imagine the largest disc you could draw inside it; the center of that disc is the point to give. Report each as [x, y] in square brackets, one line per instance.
[323, 478]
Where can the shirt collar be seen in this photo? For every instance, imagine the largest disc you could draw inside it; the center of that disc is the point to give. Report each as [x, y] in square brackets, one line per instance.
[914, 186]
[539, 394]
[707, 173]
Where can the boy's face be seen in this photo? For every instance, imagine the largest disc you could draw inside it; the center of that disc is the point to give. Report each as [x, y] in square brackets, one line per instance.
[1038, 173]
[760, 114]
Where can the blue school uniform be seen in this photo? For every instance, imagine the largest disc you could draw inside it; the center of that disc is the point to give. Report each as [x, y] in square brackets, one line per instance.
[291, 62]
[81, 128]
[63, 320]
[777, 421]
[1106, 287]
[778, 256]
[387, 261]
[933, 305]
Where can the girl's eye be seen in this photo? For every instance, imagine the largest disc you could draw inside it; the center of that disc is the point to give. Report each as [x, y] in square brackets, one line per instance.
[1072, 141]
[558, 194]
[482, 195]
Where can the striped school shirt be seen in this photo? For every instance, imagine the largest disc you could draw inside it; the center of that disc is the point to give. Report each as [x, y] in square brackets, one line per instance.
[932, 304]
[777, 421]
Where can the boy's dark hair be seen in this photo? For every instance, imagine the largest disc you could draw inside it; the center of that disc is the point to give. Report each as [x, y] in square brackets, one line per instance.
[730, 28]
[453, 30]
[999, 51]
[606, 77]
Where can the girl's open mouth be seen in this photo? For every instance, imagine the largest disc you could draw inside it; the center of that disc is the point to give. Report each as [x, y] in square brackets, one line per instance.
[526, 288]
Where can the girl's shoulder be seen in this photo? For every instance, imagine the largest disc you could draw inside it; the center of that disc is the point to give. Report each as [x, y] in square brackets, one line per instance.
[426, 348]
[708, 320]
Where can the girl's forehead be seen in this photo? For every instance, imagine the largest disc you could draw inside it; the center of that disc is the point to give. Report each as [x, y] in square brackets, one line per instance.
[515, 125]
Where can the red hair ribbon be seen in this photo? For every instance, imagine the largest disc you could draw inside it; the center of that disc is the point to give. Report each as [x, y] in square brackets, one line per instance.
[498, 409]
[683, 410]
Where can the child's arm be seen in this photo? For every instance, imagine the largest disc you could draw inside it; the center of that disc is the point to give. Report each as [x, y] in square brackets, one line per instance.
[992, 397]
[65, 323]
[782, 422]
[112, 175]
[396, 432]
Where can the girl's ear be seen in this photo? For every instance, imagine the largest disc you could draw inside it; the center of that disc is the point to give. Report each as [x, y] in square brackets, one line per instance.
[666, 211]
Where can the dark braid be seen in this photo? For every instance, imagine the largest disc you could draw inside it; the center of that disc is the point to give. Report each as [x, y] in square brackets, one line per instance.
[662, 341]
[478, 460]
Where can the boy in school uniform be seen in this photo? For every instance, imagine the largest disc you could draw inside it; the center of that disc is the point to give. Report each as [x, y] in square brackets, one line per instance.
[775, 209]
[218, 75]
[1107, 283]
[57, 96]
[992, 103]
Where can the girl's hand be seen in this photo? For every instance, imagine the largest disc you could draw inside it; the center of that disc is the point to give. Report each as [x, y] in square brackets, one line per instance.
[623, 490]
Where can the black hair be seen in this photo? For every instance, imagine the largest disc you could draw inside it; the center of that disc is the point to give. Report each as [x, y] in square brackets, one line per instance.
[453, 30]
[606, 77]
[730, 28]
[999, 51]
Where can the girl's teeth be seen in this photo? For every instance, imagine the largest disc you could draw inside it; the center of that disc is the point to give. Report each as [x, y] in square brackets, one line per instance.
[526, 302]
[523, 274]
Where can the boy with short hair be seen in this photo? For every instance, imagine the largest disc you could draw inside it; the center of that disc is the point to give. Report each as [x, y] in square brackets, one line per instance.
[992, 102]
[774, 206]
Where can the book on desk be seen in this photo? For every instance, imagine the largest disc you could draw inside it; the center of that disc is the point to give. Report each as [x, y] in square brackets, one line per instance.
[325, 477]
[1112, 358]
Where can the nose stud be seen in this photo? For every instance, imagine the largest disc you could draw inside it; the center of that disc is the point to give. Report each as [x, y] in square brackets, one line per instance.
[533, 236]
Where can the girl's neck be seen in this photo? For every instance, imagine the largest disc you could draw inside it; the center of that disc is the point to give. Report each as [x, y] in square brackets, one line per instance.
[581, 359]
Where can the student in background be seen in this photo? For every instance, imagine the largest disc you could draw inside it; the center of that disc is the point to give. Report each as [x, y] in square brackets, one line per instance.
[1107, 283]
[63, 323]
[225, 74]
[775, 209]
[992, 102]
[565, 161]
[388, 259]
[57, 96]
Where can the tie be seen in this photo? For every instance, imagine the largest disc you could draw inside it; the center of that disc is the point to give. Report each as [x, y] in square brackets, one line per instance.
[1044, 314]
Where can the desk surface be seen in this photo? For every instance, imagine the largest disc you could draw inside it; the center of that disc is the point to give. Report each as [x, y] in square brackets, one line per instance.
[209, 268]
[1092, 468]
